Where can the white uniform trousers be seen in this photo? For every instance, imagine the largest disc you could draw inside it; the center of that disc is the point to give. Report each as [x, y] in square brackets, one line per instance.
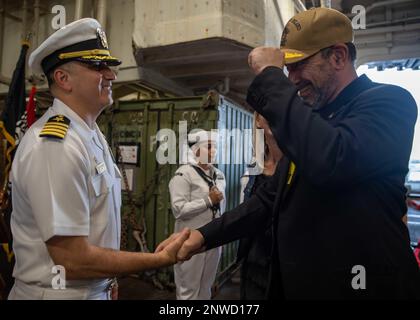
[195, 277]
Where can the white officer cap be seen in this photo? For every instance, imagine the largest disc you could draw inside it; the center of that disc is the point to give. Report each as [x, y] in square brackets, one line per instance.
[82, 40]
[199, 138]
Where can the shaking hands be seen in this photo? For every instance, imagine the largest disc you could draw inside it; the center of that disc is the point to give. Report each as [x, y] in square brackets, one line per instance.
[182, 246]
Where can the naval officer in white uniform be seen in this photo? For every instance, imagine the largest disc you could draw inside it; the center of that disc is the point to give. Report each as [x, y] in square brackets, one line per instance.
[66, 188]
[197, 197]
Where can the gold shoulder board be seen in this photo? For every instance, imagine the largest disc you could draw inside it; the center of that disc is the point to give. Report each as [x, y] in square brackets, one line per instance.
[56, 127]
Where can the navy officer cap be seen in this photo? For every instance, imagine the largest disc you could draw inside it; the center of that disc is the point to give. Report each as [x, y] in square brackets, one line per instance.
[82, 40]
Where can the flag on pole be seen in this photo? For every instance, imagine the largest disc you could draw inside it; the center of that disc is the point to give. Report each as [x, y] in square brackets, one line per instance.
[12, 127]
[13, 124]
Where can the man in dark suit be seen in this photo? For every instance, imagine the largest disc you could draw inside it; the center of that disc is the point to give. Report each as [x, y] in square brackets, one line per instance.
[337, 214]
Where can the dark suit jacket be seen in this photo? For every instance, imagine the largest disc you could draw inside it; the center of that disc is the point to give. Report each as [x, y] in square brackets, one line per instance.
[338, 225]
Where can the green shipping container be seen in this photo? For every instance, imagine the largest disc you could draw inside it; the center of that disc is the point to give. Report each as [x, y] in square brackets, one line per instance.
[132, 127]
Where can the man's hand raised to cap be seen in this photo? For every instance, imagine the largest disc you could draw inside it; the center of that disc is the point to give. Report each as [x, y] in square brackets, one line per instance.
[263, 57]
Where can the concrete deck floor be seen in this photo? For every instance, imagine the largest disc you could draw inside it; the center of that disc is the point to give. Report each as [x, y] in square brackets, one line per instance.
[134, 288]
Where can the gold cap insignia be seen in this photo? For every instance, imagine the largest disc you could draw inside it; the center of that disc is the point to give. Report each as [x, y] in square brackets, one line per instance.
[102, 37]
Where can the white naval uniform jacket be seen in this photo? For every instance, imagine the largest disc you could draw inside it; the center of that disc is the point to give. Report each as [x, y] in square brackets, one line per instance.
[62, 187]
[190, 206]
[190, 197]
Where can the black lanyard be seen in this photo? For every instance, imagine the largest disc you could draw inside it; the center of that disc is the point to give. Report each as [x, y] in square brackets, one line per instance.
[211, 182]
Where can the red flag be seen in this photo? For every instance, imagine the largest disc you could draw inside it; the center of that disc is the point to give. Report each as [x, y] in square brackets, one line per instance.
[30, 108]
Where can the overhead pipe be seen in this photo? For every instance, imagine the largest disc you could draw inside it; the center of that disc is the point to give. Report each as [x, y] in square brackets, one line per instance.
[374, 42]
[13, 17]
[78, 11]
[382, 23]
[399, 28]
[101, 13]
[299, 5]
[24, 18]
[385, 3]
[37, 12]
[278, 11]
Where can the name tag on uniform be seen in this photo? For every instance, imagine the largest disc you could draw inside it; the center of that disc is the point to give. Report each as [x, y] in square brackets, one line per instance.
[101, 168]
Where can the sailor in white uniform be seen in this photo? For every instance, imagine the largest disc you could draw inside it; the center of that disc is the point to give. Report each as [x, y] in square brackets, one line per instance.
[197, 197]
[66, 187]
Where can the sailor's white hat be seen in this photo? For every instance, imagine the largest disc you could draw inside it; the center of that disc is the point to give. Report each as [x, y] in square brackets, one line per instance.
[198, 138]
